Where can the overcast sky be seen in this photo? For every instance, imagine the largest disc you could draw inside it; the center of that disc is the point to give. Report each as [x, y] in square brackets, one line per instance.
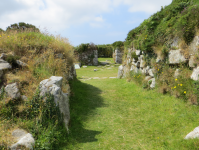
[81, 21]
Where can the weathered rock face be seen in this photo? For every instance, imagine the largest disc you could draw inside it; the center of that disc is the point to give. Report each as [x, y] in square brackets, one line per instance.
[195, 74]
[191, 62]
[88, 57]
[193, 134]
[13, 91]
[72, 73]
[175, 57]
[53, 86]
[194, 45]
[24, 138]
[120, 72]
[118, 56]
[152, 85]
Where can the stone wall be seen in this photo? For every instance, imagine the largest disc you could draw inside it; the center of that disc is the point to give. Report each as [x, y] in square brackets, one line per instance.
[88, 58]
[175, 57]
[117, 56]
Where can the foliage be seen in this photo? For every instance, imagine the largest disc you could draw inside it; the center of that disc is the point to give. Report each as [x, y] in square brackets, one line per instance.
[105, 50]
[21, 26]
[133, 55]
[179, 19]
[118, 44]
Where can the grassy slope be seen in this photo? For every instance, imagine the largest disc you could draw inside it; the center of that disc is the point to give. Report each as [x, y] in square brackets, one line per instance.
[115, 114]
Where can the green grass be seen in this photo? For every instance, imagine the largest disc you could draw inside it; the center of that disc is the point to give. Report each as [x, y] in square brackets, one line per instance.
[103, 71]
[115, 114]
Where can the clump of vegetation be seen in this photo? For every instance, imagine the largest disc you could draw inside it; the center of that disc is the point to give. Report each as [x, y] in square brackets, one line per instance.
[118, 44]
[46, 55]
[133, 55]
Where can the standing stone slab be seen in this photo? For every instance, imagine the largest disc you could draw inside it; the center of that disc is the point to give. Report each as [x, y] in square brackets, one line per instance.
[120, 71]
[53, 86]
[175, 57]
[138, 52]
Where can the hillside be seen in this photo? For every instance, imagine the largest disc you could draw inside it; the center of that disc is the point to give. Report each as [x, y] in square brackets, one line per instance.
[179, 19]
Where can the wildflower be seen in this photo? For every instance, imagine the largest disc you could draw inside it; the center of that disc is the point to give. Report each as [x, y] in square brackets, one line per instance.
[8, 36]
[176, 79]
[185, 92]
[158, 69]
[180, 84]
[162, 72]
[174, 87]
[145, 38]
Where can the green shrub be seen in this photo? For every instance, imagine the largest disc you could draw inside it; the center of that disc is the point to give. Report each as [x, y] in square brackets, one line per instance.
[133, 55]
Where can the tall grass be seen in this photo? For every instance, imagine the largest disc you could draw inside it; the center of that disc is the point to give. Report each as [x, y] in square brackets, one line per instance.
[46, 55]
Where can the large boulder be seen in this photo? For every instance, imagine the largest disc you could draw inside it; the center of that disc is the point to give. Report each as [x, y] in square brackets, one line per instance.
[53, 86]
[24, 138]
[12, 91]
[176, 57]
[193, 134]
[120, 71]
[195, 74]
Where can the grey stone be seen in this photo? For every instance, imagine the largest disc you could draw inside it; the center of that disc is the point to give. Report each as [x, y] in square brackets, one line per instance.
[3, 61]
[4, 66]
[193, 134]
[23, 97]
[177, 73]
[12, 91]
[77, 66]
[95, 61]
[175, 42]
[152, 85]
[175, 57]
[134, 68]
[195, 74]
[27, 140]
[20, 63]
[3, 56]
[72, 73]
[191, 62]
[112, 77]
[193, 48]
[150, 71]
[53, 86]
[95, 70]
[138, 52]
[120, 71]
[147, 78]
[84, 66]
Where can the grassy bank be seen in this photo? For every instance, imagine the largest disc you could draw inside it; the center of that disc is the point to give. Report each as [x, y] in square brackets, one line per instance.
[115, 114]
[45, 56]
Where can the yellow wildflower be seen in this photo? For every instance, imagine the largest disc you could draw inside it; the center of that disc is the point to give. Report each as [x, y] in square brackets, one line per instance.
[174, 87]
[176, 79]
[158, 69]
[180, 84]
[185, 92]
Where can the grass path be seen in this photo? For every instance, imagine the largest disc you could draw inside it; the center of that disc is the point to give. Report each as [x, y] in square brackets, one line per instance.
[113, 114]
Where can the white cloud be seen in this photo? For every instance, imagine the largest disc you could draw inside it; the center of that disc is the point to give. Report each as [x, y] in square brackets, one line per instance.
[60, 14]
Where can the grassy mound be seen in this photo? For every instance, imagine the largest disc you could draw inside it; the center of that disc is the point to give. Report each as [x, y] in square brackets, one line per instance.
[45, 55]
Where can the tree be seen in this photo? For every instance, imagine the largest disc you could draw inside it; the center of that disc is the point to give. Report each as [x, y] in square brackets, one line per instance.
[21, 26]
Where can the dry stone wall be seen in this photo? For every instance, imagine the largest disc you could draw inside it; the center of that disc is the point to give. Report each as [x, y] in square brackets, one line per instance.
[48, 86]
[117, 56]
[89, 58]
[175, 57]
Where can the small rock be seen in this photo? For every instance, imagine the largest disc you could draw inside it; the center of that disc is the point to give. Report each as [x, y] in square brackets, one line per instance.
[84, 66]
[193, 134]
[95, 70]
[12, 91]
[20, 63]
